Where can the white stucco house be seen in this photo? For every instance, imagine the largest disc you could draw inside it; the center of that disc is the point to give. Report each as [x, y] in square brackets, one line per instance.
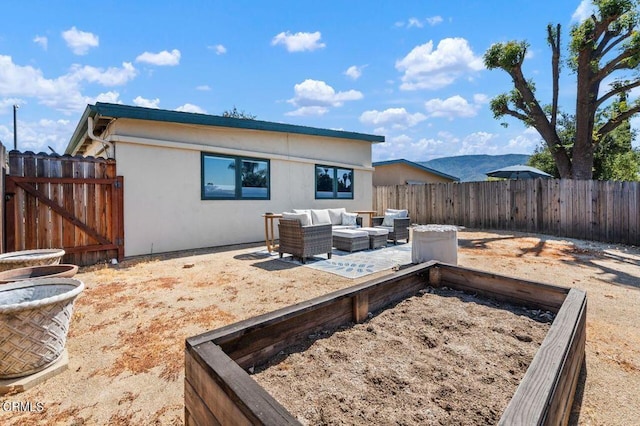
[197, 180]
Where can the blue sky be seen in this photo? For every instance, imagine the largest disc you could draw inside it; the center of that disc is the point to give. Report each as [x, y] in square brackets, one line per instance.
[409, 70]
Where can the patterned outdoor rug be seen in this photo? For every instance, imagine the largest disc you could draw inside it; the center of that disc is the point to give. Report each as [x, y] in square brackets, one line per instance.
[359, 263]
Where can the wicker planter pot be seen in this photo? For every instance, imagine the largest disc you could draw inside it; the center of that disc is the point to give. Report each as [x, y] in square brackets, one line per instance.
[34, 321]
[22, 259]
[37, 272]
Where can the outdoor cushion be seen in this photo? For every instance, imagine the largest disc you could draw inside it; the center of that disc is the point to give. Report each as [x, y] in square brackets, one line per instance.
[306, 211]
[389, 217]
[348, 219]
[376, 231]
[344, 227]
[388, 228]
[349, 233]
[320, 216]
[302, 217]
[335, 215]
[403, 213]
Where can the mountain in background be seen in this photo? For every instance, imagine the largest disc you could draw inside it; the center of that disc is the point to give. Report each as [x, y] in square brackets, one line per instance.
[470, 168]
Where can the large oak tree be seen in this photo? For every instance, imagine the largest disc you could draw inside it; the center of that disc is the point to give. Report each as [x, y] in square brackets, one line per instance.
[605, 46]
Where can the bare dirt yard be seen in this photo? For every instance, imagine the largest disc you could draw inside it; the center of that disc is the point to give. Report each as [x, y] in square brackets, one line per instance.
[127, 334]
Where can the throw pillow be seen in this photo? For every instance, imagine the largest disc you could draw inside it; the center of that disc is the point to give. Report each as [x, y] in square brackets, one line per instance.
[349, 219]
[305, 211]
[320, 216]
[403, 213]
[336, 215]
[389, 218]
[301, 217]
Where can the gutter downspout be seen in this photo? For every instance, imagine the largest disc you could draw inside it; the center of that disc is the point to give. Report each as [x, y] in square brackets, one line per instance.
[106, 144]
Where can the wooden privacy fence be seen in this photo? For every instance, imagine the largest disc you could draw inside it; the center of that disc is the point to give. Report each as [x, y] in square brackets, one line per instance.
[589, 210]
[66, 202]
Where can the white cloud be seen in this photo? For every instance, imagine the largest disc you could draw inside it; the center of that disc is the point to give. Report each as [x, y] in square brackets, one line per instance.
[42, 41]
[399, 118]
[219, 49]
[39, 135]
[299, 42]
[524, 143]
[203, 88]
[112, 76]
[455, 106]
[395, 147]
[414, 22]
[583, 11]
[80, 41]
[480, 98]
[354, 72]
[109, 97]
[403, 146]
[426, 148]
[6, 105]
[308, 110]
[426, 68]
[147, 103]
[479, 143]
[63, 93]
[434, 20]
[314, 97]
[191, 108]
[164, 58]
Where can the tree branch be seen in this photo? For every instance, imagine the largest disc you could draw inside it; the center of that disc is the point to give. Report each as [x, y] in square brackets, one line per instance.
[620, 39]
[608, 95]
[616, 121]
[599, 51]
[516, 114]
[614, 64]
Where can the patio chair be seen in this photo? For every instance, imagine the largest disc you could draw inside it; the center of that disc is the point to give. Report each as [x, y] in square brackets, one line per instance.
[399, 230]
[304, 241]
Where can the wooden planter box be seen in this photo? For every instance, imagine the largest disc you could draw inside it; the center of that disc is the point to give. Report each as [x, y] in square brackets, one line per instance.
[218, 390]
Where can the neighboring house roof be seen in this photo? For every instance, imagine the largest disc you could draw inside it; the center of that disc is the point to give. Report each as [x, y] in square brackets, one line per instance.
[417, 166]
[103, 113]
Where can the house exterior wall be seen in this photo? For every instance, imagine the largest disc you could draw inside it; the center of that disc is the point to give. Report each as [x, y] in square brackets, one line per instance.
[161, 165]
[399, 174]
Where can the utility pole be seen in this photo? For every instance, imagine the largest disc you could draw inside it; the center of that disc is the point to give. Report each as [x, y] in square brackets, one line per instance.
[15, 128]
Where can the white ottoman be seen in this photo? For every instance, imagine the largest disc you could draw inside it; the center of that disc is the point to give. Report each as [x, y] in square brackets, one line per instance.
[350, 239]
[377, 237]
[434, 242]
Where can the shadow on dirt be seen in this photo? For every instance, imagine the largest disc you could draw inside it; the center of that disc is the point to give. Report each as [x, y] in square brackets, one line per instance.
[595, 256]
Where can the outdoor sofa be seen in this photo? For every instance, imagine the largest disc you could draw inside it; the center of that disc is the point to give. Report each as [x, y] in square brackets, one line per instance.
[308, 232]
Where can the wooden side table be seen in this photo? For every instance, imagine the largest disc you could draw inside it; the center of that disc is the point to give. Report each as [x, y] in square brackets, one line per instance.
[269, 236]
[367, 212]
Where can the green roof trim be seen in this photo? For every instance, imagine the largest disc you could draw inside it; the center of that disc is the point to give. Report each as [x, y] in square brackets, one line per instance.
[101, 109]
[417, 166]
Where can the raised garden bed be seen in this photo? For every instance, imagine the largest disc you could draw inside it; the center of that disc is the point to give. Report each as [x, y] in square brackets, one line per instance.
[218, 390]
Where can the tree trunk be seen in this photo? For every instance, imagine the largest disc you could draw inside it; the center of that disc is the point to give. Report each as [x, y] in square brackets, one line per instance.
[586, 97]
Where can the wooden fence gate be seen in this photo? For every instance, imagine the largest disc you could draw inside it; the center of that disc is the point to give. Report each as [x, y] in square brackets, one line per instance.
[74, 203]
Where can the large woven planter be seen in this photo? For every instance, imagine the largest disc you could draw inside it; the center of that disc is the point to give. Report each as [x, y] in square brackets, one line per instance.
[38, 272]
[22, 259]
[34, 321]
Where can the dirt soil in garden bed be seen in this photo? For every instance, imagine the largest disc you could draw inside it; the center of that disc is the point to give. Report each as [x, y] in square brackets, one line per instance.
[442, 357]
[126, 343]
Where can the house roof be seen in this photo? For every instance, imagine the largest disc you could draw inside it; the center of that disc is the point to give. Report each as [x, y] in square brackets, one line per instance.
[103, 113]
[417, 166]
